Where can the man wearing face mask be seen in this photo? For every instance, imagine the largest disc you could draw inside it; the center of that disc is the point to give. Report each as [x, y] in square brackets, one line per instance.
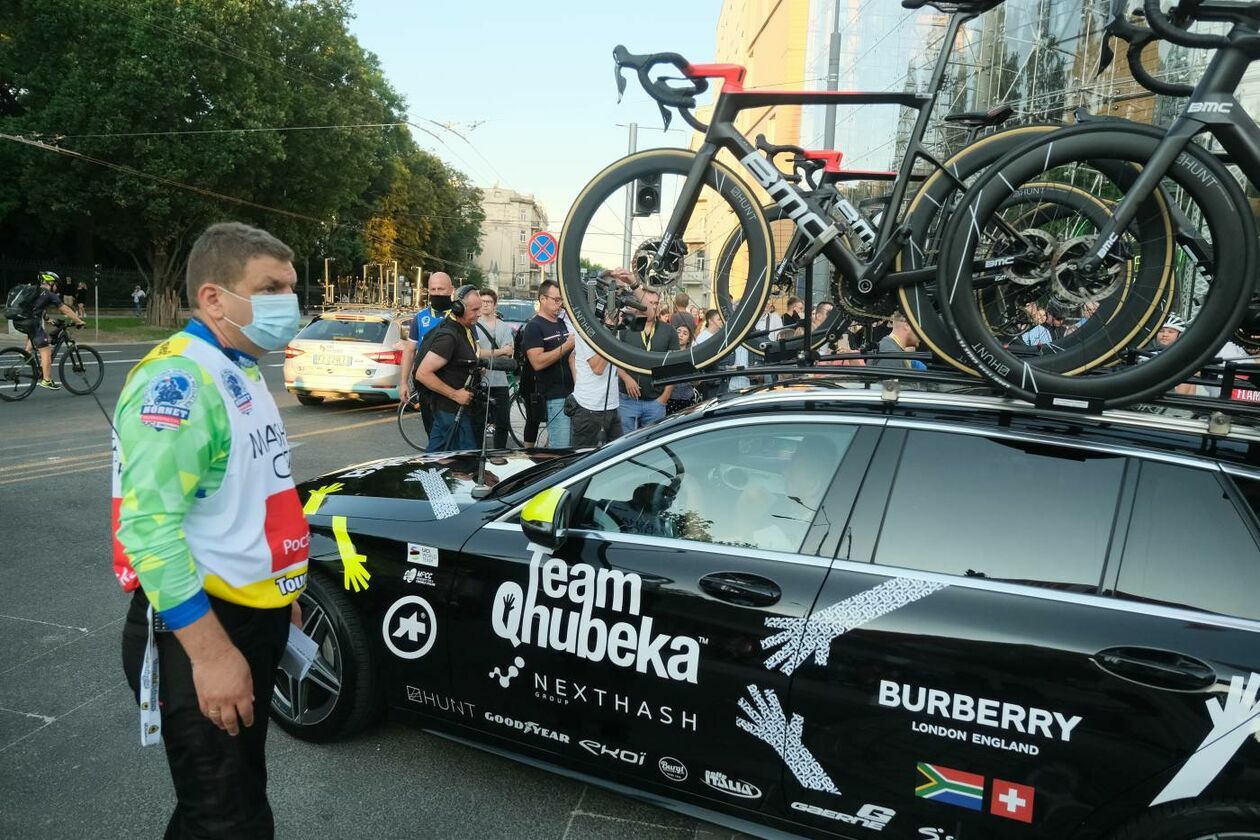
[209, 532]
[426, 320]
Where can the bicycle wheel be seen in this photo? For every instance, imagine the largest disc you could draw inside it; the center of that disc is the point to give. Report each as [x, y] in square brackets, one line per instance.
[81, 369]
[937, 198]
[787, 250]
[411, 422]
[18, 374]
[1212, 290]
[668, 260]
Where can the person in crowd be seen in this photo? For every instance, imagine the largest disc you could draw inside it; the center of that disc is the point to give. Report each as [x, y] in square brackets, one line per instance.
[1039, 334]
[426, 319]
[1056, 322]
[81, 293]
[138, 297]
[494, 341]
[822, 311]
[681, 316]
[1088, 310]
[547, 344]
[597, 419]
[697, 314]
[900, 339]
[642, 400]
[209, 534]
[794, 315]
[712, 323]
[769, 322]
[449, 370]
[684, 393]
[67, 288]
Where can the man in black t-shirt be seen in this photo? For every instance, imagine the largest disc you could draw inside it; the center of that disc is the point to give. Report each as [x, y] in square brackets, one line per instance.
[448, 370]
[37, 339]
[547, 345]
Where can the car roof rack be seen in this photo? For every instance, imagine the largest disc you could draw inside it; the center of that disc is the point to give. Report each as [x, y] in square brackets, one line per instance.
[1230, 394]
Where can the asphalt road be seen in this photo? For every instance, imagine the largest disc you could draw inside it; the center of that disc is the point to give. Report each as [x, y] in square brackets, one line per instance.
[70, 761]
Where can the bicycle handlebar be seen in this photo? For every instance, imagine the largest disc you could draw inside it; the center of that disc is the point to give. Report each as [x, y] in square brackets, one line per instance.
[682, 97]
[1138, 37]
[803, 168]
[1172, 28]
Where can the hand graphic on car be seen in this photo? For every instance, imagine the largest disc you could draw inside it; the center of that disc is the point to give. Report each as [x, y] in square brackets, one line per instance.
[1232, 723]
[768, 722]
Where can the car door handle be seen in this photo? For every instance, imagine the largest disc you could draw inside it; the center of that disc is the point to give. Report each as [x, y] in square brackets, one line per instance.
[742, 589]
[1156, 668]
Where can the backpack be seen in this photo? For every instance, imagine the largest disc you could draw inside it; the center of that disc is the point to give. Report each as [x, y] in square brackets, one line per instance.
[422, 350]
[20, 304]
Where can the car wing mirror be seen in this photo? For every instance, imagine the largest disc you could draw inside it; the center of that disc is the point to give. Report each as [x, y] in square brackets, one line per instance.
[545, 518]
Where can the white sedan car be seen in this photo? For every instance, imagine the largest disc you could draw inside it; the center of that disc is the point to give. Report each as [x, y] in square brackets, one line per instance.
[346, 354]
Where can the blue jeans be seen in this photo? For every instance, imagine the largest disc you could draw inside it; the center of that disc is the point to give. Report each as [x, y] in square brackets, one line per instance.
[559, 429]
[442, 423]
[638, 413]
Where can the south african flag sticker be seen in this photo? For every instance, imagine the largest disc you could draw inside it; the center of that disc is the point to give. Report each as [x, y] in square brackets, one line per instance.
[953, 787]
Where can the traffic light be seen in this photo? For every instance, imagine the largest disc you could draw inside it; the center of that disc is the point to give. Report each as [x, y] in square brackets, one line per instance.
[647, 195]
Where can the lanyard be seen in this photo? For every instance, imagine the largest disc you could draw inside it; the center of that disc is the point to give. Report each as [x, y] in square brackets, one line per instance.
[647, 338]
[150, 710]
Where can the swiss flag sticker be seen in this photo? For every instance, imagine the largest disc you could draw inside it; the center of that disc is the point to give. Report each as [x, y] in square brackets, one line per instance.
[1015, 802]
[287, 533]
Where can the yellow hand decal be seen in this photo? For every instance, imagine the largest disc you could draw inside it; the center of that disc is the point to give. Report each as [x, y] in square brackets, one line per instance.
[355, 575]
[316, 498]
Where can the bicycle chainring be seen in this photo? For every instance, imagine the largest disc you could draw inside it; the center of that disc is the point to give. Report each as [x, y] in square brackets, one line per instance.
[1071, 285]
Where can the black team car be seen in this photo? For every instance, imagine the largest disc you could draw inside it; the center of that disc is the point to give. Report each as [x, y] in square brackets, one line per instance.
[823, 611]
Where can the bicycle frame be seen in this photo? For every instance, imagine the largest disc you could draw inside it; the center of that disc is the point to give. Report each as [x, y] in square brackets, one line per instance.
[1211, 108]
[806, 210]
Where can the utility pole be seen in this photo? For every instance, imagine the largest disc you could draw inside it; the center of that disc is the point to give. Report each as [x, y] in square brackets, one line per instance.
[833, 76]
[625, 247]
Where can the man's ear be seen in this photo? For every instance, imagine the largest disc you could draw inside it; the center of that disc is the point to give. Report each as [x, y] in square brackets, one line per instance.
[210, 300]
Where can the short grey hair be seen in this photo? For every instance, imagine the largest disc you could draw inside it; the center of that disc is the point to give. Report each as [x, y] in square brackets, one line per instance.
[219, 255]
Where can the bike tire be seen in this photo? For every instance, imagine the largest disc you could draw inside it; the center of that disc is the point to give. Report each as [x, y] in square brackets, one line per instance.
[411, 423]
[1197, 174]
[18, 374]
[85, 371]
[745, 209]
[925, 226]
[513, 396]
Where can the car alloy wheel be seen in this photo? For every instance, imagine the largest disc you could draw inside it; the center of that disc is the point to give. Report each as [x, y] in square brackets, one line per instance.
[310, 700]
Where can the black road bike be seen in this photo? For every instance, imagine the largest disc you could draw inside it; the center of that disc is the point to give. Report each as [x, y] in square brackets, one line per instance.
[79, 367]
[1214, 266]
[712, 208]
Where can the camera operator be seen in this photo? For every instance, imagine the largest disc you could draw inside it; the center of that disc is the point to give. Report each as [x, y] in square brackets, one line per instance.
[449, 371]
[642, 400]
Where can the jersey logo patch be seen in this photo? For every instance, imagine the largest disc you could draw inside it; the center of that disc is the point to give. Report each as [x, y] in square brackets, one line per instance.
[168, 400]
[240, 394]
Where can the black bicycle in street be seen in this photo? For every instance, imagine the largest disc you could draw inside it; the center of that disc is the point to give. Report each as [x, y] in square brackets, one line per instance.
[79, 367]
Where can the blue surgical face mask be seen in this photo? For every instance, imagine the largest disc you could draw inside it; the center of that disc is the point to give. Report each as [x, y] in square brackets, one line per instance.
[276, 320]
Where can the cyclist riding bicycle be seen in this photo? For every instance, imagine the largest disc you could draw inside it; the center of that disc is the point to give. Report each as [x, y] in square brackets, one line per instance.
[31, 323]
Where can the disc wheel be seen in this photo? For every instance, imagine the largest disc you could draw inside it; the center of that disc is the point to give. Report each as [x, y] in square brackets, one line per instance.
[596, 231]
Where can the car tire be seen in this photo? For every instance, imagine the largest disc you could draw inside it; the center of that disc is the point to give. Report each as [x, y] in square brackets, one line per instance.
[345, 648]
[307, 399]
[1233, 820]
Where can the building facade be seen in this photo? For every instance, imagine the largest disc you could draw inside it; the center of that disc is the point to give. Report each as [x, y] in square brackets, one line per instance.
[512, 218]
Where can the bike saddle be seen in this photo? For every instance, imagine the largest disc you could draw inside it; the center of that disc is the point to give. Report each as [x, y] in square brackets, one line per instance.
[982, 119]
[949, 7]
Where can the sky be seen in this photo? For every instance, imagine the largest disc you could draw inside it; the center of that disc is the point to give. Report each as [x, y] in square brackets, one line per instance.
[537, 77]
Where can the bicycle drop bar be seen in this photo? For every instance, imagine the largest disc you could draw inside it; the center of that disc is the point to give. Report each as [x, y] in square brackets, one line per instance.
[1138, 38]
[659, 89]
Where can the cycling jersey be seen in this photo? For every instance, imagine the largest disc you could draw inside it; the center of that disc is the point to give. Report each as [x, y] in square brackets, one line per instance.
[203, 498]
[426, 319]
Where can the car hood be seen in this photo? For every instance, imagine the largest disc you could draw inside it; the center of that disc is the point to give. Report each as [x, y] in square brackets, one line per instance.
[419, 488]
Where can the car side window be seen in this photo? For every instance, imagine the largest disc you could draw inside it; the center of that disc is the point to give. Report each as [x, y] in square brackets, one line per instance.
[751, 486]
[1020, 512]
[1188, 545]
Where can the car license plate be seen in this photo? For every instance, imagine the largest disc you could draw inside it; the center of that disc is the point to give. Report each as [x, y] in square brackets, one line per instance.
[331, 361]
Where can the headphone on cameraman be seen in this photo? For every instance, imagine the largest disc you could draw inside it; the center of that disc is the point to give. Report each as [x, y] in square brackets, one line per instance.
[457, 302]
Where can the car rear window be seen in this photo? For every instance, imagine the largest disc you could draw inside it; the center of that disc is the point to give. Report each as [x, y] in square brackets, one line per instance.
[516, 310]
[1189, 545]
[336, 329]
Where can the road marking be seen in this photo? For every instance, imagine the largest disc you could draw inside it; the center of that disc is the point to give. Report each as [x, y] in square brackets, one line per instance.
[48, 474]
[58, 461]
[49, 623]
[119, 361]
[51, 721]
[45, 718]
[346, 427]
[47, 443]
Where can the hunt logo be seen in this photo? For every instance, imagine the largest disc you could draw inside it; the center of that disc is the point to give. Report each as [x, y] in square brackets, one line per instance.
[787, 198]
[733, 787]
[573, 626]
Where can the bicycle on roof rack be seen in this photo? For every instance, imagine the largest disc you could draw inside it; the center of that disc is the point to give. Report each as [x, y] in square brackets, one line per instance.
[711, 207]
[1215, 267]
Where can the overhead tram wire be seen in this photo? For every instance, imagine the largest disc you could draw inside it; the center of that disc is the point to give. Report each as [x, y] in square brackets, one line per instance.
[191, 131]
[138, 173]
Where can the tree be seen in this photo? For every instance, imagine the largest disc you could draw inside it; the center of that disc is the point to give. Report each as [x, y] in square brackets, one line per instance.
[71, 73]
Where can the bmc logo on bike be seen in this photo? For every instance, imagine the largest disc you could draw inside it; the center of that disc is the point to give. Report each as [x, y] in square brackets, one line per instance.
[792, 204]
[1210, 108]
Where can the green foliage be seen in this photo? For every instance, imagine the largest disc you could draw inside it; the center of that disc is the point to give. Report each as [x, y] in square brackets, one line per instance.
[588, 265]
[72, 68]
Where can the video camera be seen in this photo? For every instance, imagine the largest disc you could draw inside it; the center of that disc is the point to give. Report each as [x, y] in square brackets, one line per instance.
[614, 304]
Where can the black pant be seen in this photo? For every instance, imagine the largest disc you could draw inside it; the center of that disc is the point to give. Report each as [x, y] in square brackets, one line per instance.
[535, 411]
[220, 780]
[501, 410]
[588, 424]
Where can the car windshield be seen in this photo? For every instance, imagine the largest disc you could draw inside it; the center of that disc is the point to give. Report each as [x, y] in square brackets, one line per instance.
[534, 473]
[516, 310]
[336, 329]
